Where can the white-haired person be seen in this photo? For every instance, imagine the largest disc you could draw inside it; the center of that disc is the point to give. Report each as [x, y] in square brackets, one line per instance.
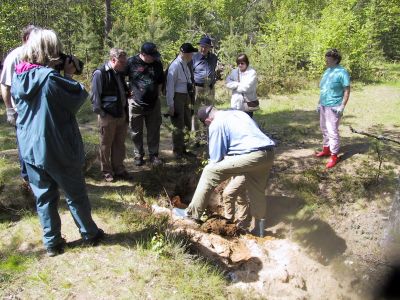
[49, 137]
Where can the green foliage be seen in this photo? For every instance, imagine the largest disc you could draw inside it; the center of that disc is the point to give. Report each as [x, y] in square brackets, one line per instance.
[285, 40]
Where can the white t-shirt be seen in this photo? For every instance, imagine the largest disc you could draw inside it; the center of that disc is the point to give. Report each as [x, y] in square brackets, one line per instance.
[8, 71]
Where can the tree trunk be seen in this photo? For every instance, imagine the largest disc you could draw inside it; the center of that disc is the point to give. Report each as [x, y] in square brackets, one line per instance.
[107, 22]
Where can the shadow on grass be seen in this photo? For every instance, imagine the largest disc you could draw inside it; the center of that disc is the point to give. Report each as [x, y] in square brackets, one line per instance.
[166, 181]
[321, 241]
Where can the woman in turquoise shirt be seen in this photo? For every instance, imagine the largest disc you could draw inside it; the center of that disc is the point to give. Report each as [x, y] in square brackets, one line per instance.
[334, 95]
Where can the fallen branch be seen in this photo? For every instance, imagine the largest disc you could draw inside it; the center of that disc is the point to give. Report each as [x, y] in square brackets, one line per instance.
[378, 137]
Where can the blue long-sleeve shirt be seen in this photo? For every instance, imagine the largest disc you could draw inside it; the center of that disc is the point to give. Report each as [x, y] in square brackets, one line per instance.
[204, 67]
[233, 132]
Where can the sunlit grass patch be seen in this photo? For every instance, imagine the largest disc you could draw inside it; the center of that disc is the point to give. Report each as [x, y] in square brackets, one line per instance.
[13, 265]
[7, 138]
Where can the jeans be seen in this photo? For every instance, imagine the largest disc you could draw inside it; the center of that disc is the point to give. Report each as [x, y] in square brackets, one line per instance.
[45, 184]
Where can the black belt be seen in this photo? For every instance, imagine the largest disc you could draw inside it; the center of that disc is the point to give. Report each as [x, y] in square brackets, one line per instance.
[263, 149]
[199, 84]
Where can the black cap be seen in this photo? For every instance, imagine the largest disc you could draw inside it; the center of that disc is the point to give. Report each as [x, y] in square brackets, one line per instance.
[188, 48]
[204, 112]
[150, 49]
[205, 41]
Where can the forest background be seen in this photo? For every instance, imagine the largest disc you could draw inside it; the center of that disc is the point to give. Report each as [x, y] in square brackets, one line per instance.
[285, 40]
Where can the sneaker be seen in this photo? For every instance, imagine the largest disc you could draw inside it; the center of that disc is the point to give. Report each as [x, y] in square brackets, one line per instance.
[57, 249]
[182, 213]
[94, 241]
[333, 160]
[325, 152]
[108, 177]
[124, 176]
[139, 161]
[155, 161]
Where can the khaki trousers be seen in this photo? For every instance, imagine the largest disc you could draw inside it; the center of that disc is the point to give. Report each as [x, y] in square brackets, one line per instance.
[112, 143]
[255, 167]
[235, 201]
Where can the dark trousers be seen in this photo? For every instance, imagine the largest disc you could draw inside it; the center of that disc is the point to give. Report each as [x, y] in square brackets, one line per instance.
[137, 118]
[181, 119]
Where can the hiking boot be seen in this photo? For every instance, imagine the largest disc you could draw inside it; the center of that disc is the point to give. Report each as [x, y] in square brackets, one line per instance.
[57, 249]
[139, 161]
[108, 177]
[155, 161]
[333, 160]
[325, 152]
[124, 176]
[94, 241]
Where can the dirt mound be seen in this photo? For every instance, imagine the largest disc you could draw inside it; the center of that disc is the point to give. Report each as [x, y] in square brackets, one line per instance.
[221, 226]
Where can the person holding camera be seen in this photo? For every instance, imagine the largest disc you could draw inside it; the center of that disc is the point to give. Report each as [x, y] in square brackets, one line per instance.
[180, 93]
[12, 59]
[49, 137]
[109, 100]
[146, 76]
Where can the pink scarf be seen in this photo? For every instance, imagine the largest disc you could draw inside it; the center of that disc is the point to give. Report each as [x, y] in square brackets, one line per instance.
[25, 66]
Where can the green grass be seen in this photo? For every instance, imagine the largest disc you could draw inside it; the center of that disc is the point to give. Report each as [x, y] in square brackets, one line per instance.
[141, 259]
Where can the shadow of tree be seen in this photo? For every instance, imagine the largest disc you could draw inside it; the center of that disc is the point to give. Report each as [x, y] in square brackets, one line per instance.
[317, 236]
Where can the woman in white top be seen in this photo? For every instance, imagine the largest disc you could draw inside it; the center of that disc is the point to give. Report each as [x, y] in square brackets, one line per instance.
[243, 82]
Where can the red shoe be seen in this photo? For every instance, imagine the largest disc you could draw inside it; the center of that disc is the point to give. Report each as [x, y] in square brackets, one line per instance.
[325, 152]
[332, 161]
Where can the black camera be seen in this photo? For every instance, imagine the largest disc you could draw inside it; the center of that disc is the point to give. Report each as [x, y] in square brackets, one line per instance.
[78, 64]
[190, 88]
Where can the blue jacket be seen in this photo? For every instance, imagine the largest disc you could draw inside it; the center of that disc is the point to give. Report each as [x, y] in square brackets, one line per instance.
[47, 130]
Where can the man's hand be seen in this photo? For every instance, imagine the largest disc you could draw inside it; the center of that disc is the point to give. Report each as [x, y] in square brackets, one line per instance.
[11, 116]
[171, 111]
[339, 110]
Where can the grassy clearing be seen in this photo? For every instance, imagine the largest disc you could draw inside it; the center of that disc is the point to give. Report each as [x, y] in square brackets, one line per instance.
[140, 260]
